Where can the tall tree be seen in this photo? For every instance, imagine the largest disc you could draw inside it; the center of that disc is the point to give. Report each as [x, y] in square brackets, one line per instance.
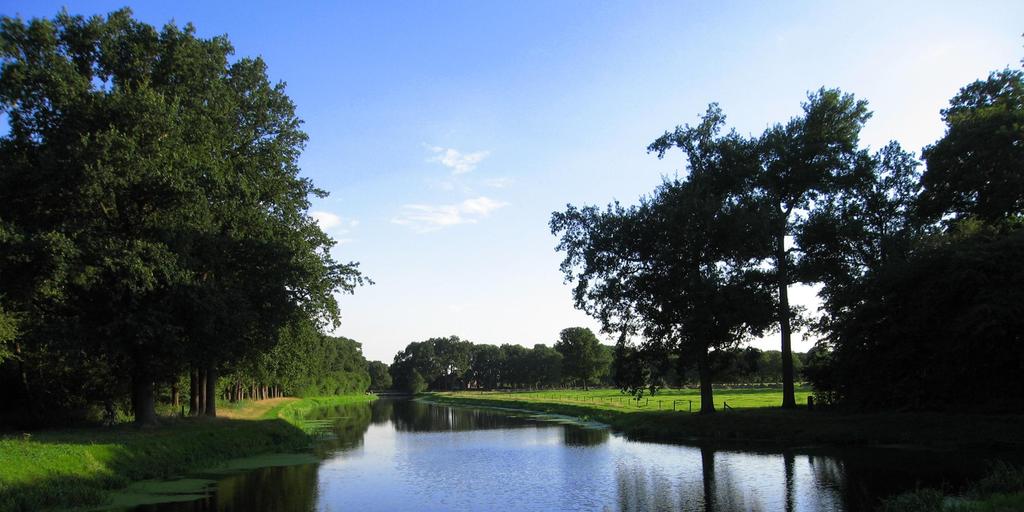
[680, 269]
[796, 162]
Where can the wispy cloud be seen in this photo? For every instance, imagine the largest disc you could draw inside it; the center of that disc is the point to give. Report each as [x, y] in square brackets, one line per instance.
[498, 182]
[456, 160]
[425, 218]
[334, 225]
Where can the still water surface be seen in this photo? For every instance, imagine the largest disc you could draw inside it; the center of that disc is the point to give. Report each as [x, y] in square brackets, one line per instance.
[399, 455]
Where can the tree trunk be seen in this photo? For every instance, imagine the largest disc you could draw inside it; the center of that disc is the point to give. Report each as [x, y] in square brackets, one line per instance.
[707, 401]
[143, 403]
[22, 374]
[193, 392]
[175, 395]
[202, 392]
[782, 280]
[211, 392]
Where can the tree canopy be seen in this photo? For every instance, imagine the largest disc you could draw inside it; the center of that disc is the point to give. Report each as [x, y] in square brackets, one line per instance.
[151, 209]
[680, 269]
[582, 355]
[977, 168]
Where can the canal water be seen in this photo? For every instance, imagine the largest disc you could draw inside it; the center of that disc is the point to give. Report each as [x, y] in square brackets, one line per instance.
[406, 455]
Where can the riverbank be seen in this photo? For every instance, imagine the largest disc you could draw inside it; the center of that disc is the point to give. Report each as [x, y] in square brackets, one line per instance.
[766, 426]
[80, 467]
[1002, 489]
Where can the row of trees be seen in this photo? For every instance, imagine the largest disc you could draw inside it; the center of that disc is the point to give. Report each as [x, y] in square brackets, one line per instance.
[577, 359]
[746, 365]
[920, 274]
[153, 222]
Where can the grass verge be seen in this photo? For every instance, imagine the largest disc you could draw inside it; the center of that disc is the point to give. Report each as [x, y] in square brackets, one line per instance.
[1001, 490]
[748, 421]
[79, 467]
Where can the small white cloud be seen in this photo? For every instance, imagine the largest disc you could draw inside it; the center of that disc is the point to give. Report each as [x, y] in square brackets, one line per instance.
[456, 160]
[498, 182]
[326, 220]
[334, 224]
[425, 218]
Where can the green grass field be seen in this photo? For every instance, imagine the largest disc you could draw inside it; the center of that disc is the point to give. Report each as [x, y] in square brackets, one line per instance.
[754, 416]
[61, 468]
[679, 400]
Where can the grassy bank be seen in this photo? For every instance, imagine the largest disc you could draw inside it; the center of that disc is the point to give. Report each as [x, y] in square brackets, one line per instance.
[755, 417]
[1001, 490]
[76, 467]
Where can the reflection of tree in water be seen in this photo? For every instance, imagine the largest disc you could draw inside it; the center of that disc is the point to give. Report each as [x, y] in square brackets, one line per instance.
[414, 416]
[719, 489]
[344, 427]
[642, 487]
[276, 488]
[859, 479]
[831, 483]
[381, 411]
[574, 435]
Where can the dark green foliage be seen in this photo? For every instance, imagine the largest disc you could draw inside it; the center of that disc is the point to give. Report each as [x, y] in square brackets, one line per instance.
[380, 379]
[583, 358]
[943, 330]
[915, 318]
[546, 366]
[415, 383]
[977, 168]
[439, 362]
[304, 363]
[514, 370]
[681, 268]
[781, 173]
[152, 216]
[450, 363]
[485, 366]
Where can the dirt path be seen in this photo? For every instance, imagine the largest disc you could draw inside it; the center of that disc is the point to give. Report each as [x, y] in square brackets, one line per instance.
[253, 410]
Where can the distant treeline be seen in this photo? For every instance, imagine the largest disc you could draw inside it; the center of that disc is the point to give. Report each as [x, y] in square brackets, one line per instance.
[577, 359]
[450, 363]
[155, 241]
[921, 274]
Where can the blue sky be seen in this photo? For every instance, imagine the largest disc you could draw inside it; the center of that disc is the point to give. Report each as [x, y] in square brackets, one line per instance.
[447, 132]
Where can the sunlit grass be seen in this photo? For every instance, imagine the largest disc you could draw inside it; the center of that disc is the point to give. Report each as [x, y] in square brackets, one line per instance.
[680, 400]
